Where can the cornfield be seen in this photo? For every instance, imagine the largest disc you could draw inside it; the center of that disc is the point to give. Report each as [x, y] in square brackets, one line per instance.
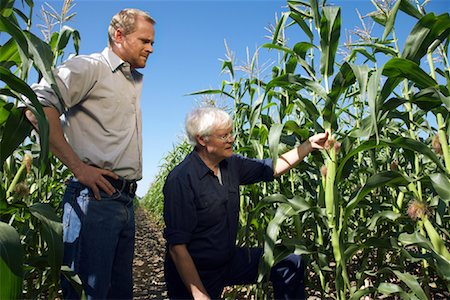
[371, 212]
[31, 188]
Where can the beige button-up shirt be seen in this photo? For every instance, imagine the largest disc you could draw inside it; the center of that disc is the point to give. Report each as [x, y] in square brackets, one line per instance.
[101, 107]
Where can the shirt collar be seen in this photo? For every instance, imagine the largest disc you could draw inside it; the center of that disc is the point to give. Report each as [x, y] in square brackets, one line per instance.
[114, 61]
[202, 169]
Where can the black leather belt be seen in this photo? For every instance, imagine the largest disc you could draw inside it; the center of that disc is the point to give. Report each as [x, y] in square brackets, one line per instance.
[123, 185]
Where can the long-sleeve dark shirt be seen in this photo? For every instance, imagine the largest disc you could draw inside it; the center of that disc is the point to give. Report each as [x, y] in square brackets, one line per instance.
[204, 214]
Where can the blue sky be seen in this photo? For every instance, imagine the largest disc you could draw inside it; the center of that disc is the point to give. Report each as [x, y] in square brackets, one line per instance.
[189, 44]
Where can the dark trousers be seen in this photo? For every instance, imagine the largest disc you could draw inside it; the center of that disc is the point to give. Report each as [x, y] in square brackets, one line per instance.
[98, 243]
[286, 276]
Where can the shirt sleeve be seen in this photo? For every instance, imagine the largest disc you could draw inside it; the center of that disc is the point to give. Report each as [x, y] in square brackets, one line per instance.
[74, 78]
[179, 212]
[254, 170]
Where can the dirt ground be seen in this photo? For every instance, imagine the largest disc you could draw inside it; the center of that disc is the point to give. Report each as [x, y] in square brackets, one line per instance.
[148, 262]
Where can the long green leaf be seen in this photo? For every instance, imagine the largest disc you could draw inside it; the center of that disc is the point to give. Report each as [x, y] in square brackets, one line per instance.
[22, 87]
[278, 28]
[378, 180]
[17, 128]
[429, 28]
[20, 39]
[11, 263]
[298, 18]
[441, 184]
[386, 214]
[408, 8]
[9, 54]
[212, 92]
[283, 212]
[441, 264]
[64, 36]
[400, 68]
[315, 13]
[52, 232]
[43, 58]
[296, 82]
[412, 283]
[400, 142]
[330, 31]
[391, 19]
[274, 141]
[391, 288]
[373, 100]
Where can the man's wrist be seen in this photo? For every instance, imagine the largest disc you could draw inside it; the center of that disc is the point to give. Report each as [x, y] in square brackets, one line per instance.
[309, 146]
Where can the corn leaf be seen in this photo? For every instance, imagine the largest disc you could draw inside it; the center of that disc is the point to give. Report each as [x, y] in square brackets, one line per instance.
[429, 28]
[330, 32]
[21, 87]
[441, 184]
[387, 178]
[17, 128]
[52, 232]
[400, 68]
[11, 263]
[274, 141]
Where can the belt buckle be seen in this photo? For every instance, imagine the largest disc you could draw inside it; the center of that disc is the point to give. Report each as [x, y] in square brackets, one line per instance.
[133, 187]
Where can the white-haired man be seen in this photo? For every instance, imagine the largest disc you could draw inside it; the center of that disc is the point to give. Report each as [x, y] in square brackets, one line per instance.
[201, 213]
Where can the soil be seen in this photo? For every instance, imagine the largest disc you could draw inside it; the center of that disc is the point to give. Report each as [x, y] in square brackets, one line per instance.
[148, 269]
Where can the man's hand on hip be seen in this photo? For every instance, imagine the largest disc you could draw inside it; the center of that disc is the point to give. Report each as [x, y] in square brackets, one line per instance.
[94, 178]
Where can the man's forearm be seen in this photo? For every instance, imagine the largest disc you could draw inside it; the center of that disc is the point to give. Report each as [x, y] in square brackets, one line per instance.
[88, 175]
[291, 158]
[188, 272]
[58, 143]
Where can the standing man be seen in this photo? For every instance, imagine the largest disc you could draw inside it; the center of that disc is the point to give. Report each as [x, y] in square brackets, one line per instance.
[100, 141]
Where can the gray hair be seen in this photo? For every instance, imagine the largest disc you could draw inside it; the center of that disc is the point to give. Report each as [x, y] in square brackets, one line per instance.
[126, 20]
[204, 120]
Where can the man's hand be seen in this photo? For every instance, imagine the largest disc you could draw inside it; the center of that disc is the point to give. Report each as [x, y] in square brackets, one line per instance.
[90, 176]
[93, 178]
[317, 141]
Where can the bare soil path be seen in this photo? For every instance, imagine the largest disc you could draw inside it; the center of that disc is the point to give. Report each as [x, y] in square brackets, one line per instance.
[148, 270]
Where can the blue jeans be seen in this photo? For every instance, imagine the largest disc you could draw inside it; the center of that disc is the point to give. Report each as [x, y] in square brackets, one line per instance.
[98, 243]
[286, 276]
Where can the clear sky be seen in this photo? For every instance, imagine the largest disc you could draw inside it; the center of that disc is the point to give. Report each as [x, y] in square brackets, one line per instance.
[189, 43]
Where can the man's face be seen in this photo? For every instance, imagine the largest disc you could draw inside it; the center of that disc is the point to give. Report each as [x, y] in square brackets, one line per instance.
[135, 47]
[220, 143]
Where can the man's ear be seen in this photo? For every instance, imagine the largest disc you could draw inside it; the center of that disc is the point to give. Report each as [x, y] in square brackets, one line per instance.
[201, 140]
[118, 35]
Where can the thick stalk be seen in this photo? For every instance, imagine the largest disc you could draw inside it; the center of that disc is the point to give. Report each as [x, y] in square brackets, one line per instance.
[334, 219]
[440, 121]
[329, 188]
[436, 240]
[425, 264]
[443, 140]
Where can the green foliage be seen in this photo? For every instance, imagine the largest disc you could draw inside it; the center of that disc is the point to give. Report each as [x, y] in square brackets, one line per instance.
[350, 218]
[31, 186]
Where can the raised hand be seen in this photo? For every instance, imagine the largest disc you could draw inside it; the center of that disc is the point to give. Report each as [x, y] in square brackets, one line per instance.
[318, 140]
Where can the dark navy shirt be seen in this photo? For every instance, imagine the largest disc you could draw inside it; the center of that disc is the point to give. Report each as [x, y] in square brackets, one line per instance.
[202, 213]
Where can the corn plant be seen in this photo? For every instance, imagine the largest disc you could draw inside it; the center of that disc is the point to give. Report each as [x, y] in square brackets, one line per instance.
[31, 188]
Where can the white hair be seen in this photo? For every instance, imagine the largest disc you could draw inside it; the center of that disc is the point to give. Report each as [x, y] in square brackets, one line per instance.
[204, 120]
